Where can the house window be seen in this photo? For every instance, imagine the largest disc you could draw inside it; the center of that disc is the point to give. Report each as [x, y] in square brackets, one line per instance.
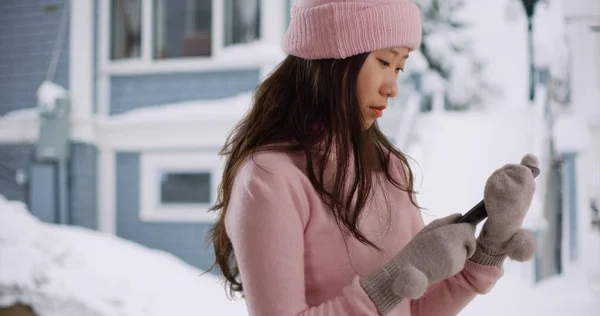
[182, 28]
[185, 187]
[597, 33]
[242, 21]
[147, 31]
[288, 11]
[178, 187]
[126, 29]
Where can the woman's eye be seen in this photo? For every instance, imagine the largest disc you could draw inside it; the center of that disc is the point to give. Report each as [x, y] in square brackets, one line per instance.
[387, 64]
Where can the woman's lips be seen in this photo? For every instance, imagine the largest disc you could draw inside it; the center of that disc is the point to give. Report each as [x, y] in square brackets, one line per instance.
[378, 110]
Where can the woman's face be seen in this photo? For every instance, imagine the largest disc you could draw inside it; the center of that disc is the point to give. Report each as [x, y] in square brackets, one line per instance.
[378, 81]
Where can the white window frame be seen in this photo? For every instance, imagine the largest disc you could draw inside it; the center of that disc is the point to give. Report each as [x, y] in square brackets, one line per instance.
[597, 33]
[147, 64]
[289, 4]
[152, 163]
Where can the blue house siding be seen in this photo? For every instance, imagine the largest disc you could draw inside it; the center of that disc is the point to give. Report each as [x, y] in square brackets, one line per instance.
[42, 192]
[12, 158]
[184, 240]
[28, 32]
[132, 92]
[39, 192]
[570, 193]
[83, 175]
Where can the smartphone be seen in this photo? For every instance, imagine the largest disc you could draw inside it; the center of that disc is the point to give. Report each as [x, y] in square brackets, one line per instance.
[478, 212]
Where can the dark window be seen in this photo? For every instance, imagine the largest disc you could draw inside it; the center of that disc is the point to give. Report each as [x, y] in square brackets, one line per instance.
[182, 28]
[242, 21]
[185, 188]
[126, 29]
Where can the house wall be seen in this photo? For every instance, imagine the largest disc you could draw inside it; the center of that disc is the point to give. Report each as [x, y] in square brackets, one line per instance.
[40, 189]
[12, 158]
[83, 174]
[185, 240]
[122, 87]
[28, 32]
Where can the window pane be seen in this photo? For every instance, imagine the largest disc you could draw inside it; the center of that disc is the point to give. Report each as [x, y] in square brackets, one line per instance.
[182, 28]
[185, 187]
[242, 21]
[126, 25]
[288, 9]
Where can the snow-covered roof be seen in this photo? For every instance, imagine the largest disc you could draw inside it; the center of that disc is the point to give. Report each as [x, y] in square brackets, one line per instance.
[19, 125]
[65, 270]
[222, 109]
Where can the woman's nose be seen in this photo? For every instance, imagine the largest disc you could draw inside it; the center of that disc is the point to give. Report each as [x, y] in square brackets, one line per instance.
[390, 89]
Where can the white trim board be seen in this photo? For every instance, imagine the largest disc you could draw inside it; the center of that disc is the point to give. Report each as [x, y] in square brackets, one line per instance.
[107, 210]
[81, 68]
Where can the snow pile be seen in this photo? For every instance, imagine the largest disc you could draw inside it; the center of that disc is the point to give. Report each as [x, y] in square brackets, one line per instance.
[557, 296]
[60, 270]
[48, 93]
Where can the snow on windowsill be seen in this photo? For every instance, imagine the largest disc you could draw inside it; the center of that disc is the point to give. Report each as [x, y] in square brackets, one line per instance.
[255, 54]
[256, 50]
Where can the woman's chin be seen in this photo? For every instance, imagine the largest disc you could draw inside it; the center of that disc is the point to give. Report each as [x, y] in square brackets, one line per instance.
[368, 123]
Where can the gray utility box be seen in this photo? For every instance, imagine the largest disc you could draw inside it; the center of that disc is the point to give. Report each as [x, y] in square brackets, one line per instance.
[53, 141]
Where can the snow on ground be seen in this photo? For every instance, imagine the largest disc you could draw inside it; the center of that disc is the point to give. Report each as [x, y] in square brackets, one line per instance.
[557, 296]
[63, 270]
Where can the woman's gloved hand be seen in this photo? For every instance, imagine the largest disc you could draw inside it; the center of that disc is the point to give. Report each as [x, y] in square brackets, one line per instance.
[439, 251]
[507, 197]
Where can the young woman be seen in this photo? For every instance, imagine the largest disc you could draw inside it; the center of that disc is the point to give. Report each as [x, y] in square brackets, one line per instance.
[317, 209]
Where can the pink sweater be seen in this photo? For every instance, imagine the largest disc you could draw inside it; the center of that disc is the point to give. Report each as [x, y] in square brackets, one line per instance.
[294, 260]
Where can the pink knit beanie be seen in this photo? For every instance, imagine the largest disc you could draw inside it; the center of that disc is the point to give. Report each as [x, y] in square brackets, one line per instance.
[342, 28]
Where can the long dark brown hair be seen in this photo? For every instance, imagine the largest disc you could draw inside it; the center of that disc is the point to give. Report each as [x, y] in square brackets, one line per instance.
[309, 104]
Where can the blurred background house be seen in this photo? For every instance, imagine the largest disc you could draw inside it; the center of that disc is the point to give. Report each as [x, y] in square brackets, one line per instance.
[135, 161]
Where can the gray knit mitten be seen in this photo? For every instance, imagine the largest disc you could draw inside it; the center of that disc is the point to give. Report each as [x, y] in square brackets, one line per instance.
[437, 252]
[507, 197]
